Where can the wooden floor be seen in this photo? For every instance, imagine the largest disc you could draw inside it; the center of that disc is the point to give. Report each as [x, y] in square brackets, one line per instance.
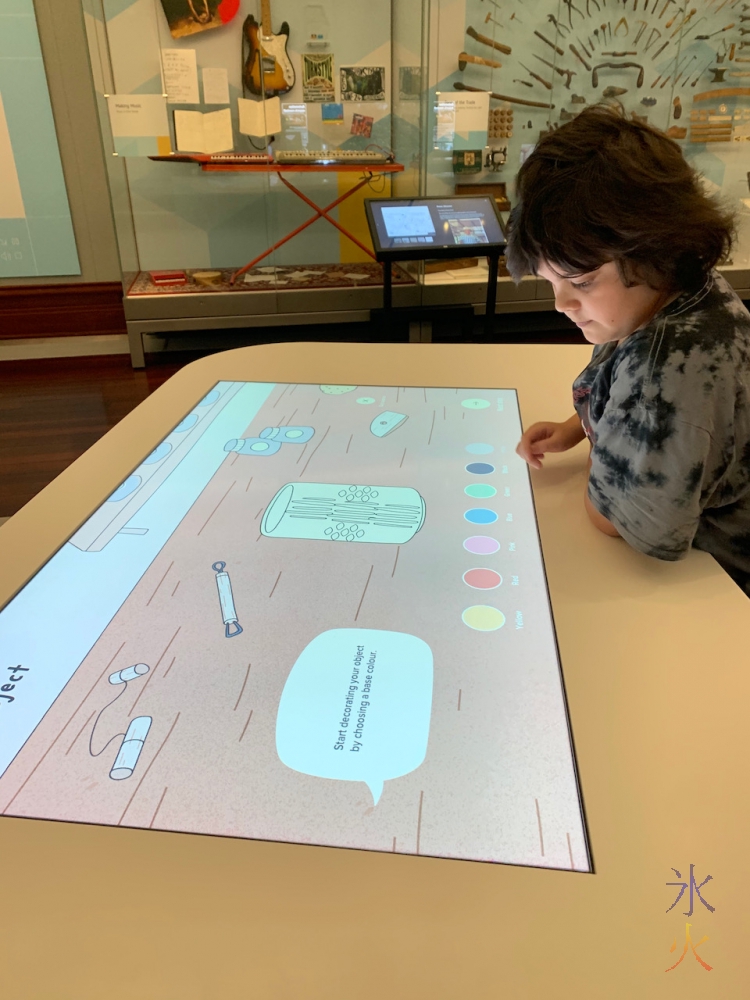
[52, 410]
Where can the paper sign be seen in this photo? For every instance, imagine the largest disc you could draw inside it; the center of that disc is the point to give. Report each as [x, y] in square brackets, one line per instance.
[138, 115]
[259, 118]
[11, 200]
[215, 85]
[181, 76]
[203, 133]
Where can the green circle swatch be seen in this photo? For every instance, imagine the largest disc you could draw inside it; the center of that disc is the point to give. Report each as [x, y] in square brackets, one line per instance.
[475, 404]
[480, 491]
[365, 400]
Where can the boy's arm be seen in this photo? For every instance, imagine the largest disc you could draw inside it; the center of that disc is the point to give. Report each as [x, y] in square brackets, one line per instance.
[598, 520]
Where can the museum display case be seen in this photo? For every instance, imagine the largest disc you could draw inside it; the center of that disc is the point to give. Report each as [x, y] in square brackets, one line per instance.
[243, 136]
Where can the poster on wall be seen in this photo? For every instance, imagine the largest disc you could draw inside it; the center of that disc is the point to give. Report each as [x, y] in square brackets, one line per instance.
[36, 229]
[188, 17]
[317, 79]
[409, 83]
[362, 83]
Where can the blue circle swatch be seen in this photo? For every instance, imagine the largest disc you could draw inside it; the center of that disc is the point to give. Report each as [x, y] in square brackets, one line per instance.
[480, 468]
[210, 398]
[479, 449]
[190, 421]
[158, 453]
[125, 489]
[480, 515]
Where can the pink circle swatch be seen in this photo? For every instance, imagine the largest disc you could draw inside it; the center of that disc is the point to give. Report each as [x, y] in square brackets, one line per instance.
[482, 579]
[481, 545]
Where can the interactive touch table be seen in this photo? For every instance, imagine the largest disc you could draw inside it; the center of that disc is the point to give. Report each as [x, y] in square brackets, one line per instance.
[295, 598]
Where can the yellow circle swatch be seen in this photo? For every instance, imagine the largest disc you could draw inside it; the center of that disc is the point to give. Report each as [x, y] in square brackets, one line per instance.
[483, 618]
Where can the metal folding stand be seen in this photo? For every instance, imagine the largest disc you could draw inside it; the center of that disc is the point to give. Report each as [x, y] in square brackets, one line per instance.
[421, 317]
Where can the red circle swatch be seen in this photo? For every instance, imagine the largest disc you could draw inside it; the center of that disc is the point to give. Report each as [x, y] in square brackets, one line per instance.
[482, 579]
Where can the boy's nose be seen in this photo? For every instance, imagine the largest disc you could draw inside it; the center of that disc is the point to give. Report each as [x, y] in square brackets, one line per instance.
[566, 300]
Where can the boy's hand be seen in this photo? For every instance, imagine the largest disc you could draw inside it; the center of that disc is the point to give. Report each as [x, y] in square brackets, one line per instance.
[548, 436]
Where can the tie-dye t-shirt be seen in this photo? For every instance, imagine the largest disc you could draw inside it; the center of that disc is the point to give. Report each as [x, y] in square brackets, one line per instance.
[667, 413]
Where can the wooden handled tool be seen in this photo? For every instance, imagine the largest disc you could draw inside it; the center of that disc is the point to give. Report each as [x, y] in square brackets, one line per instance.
[472, 33]
[465, 58]
[502, 97]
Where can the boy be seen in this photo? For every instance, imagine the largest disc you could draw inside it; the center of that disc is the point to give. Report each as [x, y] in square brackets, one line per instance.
[610, 213]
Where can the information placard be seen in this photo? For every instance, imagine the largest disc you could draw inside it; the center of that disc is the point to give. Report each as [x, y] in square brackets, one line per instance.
[315, 614]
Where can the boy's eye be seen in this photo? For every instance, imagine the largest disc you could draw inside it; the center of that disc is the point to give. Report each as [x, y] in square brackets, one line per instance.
[581, 284]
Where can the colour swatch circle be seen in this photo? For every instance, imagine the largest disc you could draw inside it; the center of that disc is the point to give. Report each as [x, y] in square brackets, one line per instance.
[483, 618]
[475, 404]
[482, 579]
[479, 449]
[365, 400]
[480, 515]
[480, 468]
[482, 545]
[480, 491]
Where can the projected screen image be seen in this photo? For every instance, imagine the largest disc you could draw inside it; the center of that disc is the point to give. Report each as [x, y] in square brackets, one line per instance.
[436, 222]
[315, 614]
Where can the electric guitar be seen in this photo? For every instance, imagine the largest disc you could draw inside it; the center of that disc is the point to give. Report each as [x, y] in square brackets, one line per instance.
[268, 70]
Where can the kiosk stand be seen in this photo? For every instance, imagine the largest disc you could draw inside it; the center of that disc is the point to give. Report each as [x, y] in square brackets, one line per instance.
[434, 229]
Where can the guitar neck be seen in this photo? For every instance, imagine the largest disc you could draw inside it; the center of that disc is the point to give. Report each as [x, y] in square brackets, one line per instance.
[265, 18]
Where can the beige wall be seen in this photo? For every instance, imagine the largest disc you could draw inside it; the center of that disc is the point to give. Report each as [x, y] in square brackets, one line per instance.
[66, 57]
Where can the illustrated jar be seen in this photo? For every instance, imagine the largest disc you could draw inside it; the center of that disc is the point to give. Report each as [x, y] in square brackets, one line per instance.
[252, 446]
[287, 435]
[340, 513]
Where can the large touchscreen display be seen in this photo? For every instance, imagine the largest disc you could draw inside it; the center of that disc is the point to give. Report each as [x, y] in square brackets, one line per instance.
[315, 614]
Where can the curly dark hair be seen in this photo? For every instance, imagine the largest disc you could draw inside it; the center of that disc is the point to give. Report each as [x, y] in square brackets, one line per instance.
[605, 188]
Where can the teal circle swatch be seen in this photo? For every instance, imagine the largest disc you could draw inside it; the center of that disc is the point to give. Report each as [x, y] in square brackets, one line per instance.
[475, 404]
[479, 449]
[480, 491]
[365, 400]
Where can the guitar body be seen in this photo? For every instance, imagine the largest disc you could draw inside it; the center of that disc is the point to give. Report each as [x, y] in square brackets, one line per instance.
[268, 69]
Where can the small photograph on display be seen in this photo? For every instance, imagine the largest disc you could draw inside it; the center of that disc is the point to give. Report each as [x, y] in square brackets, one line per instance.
[409, 83]
[332, 113]
[188, 17]
[362, 83]
[362, 125]
[317, 78]
[468, 230]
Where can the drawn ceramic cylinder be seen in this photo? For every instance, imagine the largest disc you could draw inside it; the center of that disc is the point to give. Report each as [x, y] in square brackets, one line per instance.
[128, 673]
[252, 446]
[130, 748]
[341, 513]
[287, 435]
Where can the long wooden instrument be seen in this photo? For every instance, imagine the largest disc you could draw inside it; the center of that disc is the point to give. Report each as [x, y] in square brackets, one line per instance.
[465, 58]
[502, 97]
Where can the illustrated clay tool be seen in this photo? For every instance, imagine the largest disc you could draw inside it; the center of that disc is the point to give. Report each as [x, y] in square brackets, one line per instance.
[226, 601]
[465, 58]
[667, 3]
[552, 45]
[503, 97]
[619, 55]
[682, 24]
[130, 748]
[703, 38]
[484, 40]
[655, 34]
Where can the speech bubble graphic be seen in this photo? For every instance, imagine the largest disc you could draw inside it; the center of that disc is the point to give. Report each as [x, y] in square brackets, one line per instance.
[356, 706]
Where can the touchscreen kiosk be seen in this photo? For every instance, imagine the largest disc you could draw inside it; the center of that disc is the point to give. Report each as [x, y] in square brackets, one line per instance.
[436, 226]
[315, 614]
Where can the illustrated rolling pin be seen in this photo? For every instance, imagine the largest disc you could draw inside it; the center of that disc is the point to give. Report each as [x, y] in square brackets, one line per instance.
[226, 599]
[339, 513]
[130, 748]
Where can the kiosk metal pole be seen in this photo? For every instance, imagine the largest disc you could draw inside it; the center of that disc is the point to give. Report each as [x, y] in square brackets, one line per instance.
[489, 312]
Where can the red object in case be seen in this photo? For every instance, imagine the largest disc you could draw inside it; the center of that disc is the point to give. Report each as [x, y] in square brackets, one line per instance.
[168, 277]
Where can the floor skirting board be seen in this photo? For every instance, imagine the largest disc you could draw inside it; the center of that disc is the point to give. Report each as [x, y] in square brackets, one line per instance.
[61, 310]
